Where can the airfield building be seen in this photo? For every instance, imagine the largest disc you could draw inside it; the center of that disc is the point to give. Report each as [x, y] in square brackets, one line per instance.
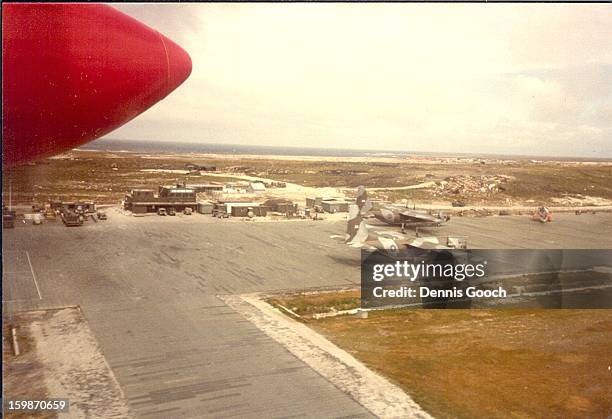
[142, 201]
[205, 207]
[207, 188]
[334, 205]
[313, 202]
[243, 210]
[240, 208]
[256, 188]
[77, 206]
[284, 206]
[330, 205]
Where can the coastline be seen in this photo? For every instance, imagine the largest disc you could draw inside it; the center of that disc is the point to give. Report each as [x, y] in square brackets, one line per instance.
[408, 158]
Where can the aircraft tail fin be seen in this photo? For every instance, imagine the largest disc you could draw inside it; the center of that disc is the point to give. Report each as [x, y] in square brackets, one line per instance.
[356, 231]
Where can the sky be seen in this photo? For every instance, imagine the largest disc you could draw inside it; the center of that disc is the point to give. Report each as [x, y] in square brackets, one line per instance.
[483, 78]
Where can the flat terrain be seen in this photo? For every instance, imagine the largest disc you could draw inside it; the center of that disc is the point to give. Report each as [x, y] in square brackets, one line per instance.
[108, 176]
[148, 289]
[487, 363]
[61, 359]
[567, 231]
[23, 377]
[473, 363]
[148, 286]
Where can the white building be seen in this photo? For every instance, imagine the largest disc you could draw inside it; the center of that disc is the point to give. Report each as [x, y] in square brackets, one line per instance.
[256, 188]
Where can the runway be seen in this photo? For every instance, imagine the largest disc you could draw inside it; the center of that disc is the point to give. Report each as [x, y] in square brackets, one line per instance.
[567, 231]
[148, 288]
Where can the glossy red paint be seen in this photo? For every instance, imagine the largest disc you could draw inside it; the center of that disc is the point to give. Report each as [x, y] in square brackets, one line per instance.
[74, 72]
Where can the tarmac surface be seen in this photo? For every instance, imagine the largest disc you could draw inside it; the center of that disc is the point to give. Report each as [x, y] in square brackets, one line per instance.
[148, 288]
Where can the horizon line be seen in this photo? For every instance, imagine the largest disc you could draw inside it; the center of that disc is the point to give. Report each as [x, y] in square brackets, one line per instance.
[378, 151]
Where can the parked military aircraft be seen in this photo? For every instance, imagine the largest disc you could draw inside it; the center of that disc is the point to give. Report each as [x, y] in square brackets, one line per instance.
[405, 217]
[359, 235]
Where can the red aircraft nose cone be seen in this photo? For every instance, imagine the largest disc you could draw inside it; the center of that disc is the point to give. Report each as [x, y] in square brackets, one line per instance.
[179, 64]
[74, 72]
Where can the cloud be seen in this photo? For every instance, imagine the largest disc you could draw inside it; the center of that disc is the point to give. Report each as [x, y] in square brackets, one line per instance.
[455, 77]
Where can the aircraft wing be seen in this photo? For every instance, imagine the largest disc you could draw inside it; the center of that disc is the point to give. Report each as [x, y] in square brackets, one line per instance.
[417, 216]
[385, 233]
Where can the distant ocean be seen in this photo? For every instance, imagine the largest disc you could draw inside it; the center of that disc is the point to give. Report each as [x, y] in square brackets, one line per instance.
[117, 145]
[111, 144]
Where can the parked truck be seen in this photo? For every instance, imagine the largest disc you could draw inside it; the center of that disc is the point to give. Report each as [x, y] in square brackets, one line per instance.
[71, 219]
[8, 218]
[8, 221]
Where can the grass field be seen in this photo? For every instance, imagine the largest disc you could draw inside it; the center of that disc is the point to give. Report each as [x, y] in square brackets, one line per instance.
[307, 304]
[480, 363]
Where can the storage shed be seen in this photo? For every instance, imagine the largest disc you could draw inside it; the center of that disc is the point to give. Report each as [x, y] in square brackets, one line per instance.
[256, 187]
[205, 207]
[313, 202]
[242, 211]
[332, 206]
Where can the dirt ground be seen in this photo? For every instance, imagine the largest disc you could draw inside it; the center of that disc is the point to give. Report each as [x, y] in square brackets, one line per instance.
[23, 376]
[106, 177]
[478, 363]
[59, 359]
